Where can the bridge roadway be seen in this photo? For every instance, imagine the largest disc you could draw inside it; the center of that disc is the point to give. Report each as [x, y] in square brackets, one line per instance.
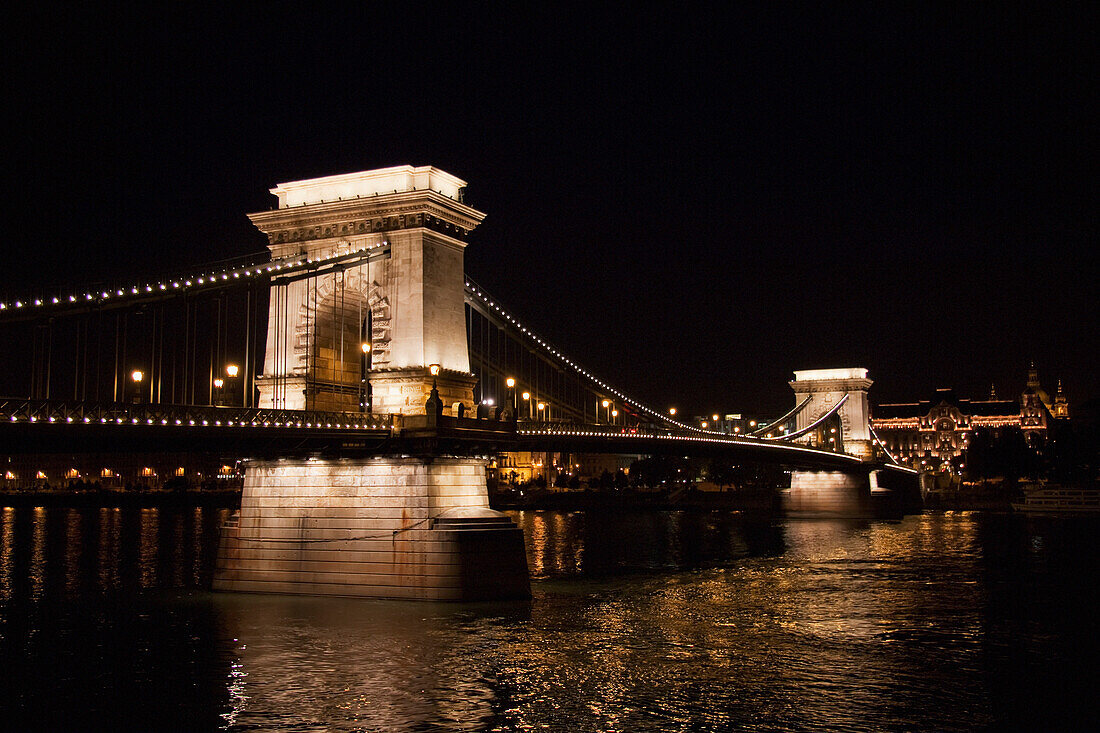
[53, 426]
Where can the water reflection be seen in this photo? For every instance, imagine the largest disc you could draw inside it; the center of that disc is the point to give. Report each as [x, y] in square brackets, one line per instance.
[343, 664]
[71, 552]
[639, 621]
[575, 543]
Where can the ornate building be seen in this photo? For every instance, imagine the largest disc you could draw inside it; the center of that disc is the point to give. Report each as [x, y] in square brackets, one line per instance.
[930, 432]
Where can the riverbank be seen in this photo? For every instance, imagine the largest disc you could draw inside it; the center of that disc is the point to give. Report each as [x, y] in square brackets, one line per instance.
[229, 498]
[745, 501]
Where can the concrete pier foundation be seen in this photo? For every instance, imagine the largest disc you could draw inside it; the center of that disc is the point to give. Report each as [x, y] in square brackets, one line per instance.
[385, 527]
[828, 494]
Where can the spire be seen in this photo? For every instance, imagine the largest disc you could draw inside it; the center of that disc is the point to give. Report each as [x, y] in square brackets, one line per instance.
[1033, 376]
[1061, 406]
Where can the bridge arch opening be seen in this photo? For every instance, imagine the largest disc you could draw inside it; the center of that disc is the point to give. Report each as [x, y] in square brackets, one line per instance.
[341, 335]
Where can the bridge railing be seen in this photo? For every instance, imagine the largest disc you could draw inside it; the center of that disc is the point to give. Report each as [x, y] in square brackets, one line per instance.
[534, 429]
[119, 413]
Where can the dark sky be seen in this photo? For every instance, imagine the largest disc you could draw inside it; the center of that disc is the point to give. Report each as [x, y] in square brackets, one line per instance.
[694, 205]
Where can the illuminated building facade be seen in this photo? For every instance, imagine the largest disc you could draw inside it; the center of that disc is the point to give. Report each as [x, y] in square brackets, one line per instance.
[931, 432]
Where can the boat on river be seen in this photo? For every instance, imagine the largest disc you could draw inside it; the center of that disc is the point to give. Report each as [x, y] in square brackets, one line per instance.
[1056, 499]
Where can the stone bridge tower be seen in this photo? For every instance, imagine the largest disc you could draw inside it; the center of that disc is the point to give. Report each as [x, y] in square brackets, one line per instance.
[405, 520]
[834, 493]
[825, 388]
[407, 308]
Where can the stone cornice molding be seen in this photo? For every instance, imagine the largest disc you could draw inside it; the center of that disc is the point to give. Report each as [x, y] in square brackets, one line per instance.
[831, 385]
[361, 216]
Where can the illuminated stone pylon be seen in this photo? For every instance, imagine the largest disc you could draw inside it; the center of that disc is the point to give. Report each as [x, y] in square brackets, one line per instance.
[407, 306]
[826, 388]
[833, 493]
[411, 520]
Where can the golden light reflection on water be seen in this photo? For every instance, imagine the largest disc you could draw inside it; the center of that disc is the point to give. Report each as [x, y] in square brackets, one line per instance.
[37, 570]
[74, 542]
[345, 664]
[7, 550]
[72, 551]
[645, 621]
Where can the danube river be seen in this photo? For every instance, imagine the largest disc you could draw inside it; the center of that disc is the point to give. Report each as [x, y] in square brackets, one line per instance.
[662, 621]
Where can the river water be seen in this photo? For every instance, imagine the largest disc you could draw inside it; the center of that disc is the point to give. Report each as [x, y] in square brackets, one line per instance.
[657, 621]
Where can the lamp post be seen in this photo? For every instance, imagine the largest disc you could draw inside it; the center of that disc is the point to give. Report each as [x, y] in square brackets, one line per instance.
[511, 382]
[604, 404]
[542, 408]
[231, 372]
[364, 370]
[614, 416]
[527, 399]
[219, 396]
[136, 376]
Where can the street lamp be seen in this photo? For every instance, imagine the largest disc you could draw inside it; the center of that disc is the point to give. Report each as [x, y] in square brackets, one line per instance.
[604, 404]
[136, 376]
[541, 408]
[511, 383]
[219, 397]
[527, 399]
[230, 397]
[614, 416]
[672, 411]
[364, 370]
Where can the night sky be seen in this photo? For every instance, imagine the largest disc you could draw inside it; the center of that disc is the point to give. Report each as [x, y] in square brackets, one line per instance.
[692, 205]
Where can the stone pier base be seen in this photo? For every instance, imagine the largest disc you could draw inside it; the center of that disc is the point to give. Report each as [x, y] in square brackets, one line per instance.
[828, 494]
[391, 527]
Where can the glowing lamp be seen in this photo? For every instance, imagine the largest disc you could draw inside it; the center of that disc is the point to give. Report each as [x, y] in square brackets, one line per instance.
[219, 382]
[510, 381]
[137, 375]
[526, 395]
[366, 347]
[231, 370]
[434, 369]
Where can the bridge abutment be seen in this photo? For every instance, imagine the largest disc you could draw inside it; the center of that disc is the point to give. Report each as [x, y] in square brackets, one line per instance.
[828, 494]
[388, 527]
